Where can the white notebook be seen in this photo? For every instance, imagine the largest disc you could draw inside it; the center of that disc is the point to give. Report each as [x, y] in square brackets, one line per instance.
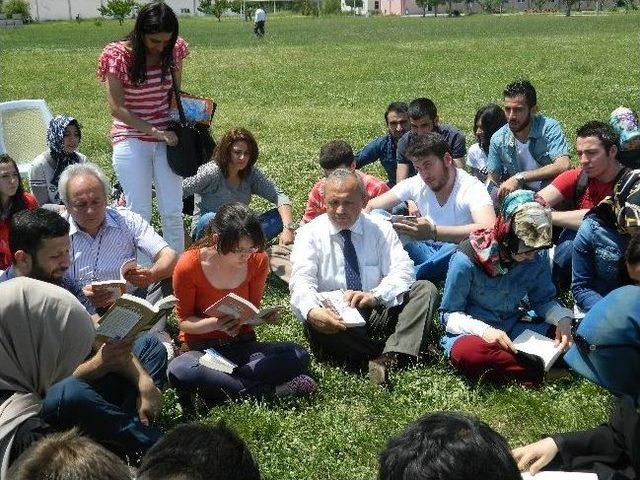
[538, 345]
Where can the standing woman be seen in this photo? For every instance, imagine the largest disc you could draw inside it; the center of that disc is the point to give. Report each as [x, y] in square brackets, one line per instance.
[137, 74]
[13, 199]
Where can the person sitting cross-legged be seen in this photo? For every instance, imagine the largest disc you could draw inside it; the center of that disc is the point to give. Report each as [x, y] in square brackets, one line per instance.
[451, 204]
[230, 259]
[114, 393]
[488, 277]
[599, 246]
[346, 249]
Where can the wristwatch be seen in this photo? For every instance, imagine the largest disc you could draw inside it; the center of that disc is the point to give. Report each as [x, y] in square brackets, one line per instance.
[519, 178]
[291, 225]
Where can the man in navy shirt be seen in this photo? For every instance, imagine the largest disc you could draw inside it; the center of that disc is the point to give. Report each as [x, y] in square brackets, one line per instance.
[423, 117]
[384, 148]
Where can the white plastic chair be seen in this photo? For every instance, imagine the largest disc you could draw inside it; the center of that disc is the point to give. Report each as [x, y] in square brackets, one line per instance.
[23, 130]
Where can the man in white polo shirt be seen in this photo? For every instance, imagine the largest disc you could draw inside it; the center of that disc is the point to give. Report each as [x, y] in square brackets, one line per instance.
[451, 203]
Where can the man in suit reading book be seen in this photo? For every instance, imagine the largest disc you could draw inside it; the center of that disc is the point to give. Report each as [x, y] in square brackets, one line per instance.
[114, 394]
[346, 249]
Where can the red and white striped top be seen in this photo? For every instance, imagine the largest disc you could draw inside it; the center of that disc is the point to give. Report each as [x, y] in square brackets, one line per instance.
[148, 101]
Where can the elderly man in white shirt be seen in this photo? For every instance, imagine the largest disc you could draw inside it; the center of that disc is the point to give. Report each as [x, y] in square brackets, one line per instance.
[347, 249]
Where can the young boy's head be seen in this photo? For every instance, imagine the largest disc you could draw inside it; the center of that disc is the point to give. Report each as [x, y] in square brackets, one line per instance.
[336, 154]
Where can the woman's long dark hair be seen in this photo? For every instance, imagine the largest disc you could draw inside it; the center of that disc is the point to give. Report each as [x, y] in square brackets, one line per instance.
[16, 203]
[222, 153]
[492, 118]
[156, 17]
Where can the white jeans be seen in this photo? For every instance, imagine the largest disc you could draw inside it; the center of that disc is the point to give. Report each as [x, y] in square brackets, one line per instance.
[140, 164]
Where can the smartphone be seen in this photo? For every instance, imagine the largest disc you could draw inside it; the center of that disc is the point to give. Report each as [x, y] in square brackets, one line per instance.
[398, 218]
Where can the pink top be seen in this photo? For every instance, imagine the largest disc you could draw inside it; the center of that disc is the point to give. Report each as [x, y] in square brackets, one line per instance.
[148, 101]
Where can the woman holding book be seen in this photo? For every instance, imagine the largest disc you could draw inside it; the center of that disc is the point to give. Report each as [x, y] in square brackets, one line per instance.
[488, 277]
[229, 259]
[233, 177]
[137, 74]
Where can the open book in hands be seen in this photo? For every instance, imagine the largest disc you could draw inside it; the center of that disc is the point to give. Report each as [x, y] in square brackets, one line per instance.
[335, 302]
[117, 286]
[238, 308]
[532, 343]
[131, 315]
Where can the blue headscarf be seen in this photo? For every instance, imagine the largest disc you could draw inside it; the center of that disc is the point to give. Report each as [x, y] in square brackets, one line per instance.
[55, 141]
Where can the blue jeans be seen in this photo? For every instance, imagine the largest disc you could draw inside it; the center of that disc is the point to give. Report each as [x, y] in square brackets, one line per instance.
[270, 221]
[106, 408]
[431, 258]
[261, 367]
[563, 252]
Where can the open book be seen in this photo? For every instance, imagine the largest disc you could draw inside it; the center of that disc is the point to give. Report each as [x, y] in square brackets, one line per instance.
[131, 315]
[216, 361]
[559, 476]
[239, 308]
[117, 286]
[335, 301]
[533, 343]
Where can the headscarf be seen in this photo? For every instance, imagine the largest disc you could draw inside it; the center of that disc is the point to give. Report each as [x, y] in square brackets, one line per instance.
[621, 209]
[55, 141]
[45, 333]
[523, 216]
[625, 123]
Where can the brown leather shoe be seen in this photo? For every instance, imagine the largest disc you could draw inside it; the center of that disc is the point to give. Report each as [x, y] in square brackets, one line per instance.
[380, 367]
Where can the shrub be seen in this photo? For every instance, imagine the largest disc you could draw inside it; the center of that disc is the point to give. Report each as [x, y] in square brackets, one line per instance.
[331, 7]
[118, 9]
[14, 7]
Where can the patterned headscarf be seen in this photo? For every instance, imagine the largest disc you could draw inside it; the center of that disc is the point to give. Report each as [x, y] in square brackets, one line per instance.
[621, 210]
[523, 217]
[55, 141]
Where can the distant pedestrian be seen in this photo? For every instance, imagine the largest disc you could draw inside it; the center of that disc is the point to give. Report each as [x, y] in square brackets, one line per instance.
[259, 19]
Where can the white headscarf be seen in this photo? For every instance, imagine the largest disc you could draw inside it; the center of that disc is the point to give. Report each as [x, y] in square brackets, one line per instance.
[45, 333]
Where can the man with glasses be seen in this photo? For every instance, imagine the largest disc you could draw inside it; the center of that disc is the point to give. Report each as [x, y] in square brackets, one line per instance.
[104, 238]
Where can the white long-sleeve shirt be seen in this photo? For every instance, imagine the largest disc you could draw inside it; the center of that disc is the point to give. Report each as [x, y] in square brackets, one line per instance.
[317, 262]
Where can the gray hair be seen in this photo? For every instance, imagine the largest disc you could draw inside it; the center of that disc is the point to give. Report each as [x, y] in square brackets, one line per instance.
[78, 169]
[341, 175]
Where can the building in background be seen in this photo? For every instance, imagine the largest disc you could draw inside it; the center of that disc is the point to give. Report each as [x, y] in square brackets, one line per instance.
[68, 9]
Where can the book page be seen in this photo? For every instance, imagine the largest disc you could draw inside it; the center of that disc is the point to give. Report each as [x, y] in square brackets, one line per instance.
[551, 475]
[536, 344]
[335, 301]
[234, 306]
[119, 322]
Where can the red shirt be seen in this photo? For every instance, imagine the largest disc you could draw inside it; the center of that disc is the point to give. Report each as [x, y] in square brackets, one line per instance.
[195, 294]
[6, 259]
[593, 194]
[316, 207]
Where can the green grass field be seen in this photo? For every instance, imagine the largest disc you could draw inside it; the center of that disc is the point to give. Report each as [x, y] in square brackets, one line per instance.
[314, 79]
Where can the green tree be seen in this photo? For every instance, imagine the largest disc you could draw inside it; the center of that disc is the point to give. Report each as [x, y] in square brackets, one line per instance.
[423, 4]
[118, 9]
[305, 7]
[215, 8]
[568, 4]
[434, 5]
[16, 7]
[331, 7]
[236, 6]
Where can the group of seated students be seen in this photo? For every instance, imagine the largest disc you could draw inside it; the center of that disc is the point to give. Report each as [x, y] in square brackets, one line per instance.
[499, 241]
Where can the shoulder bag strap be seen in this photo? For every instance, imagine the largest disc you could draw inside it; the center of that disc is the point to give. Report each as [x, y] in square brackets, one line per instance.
[174, 88]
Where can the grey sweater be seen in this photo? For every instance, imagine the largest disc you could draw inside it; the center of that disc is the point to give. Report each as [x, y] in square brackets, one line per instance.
[211, 190]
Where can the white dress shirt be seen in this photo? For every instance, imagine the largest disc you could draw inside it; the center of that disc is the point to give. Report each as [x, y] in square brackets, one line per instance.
[317, 262]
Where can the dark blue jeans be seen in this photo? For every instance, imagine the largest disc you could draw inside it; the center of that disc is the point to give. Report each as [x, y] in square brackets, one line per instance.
[562, 256]
[106, 408]
[270, 221]
[261, 367]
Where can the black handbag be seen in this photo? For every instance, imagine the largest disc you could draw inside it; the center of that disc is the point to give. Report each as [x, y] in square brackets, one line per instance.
[195, 143]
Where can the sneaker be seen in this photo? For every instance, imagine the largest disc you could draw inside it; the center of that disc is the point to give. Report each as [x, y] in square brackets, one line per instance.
[300, 385]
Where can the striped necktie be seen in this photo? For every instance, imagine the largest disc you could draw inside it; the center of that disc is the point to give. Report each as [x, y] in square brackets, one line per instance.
[351, 268]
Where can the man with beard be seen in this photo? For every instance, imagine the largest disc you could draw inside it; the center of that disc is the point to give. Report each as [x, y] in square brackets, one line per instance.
[451, 204]
[39, 244]
[114, 395]
[383, 148]
[530, 150]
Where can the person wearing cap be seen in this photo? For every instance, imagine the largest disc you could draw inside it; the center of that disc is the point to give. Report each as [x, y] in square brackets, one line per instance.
[600, 243]
[625, 122]
[492, 271]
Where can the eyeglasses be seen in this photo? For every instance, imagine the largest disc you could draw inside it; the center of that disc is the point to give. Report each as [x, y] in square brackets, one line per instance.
[245, 251]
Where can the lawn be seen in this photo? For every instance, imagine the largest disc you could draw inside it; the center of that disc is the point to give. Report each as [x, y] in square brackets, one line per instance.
[314, 79]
